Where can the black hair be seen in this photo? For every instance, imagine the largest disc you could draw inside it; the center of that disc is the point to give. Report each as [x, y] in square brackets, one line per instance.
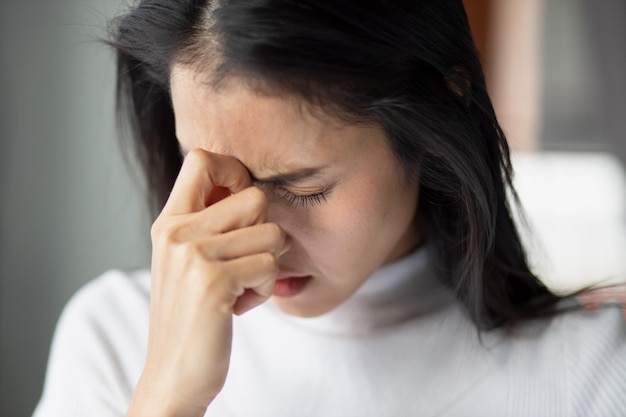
[410, 67]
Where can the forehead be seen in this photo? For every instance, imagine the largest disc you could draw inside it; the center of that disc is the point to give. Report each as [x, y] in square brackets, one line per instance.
[262, 131]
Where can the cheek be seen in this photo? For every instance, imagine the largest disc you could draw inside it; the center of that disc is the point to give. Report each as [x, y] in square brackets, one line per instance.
[319, 229]
[351, 233]
[336, 234]
[365, 228]
[326, 231]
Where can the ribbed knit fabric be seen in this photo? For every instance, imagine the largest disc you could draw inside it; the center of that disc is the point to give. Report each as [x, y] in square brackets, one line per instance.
[399, 347]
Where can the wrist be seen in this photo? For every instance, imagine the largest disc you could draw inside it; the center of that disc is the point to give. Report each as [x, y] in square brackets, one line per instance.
[149, 401]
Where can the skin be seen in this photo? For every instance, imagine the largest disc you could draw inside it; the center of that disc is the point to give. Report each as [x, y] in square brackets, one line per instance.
[266, 189]
[594, 299]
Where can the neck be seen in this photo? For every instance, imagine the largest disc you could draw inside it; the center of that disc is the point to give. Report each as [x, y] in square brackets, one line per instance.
[399, 291]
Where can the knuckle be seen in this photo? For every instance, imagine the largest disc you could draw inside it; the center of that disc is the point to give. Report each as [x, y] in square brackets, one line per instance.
[198, 158]
[164, 231]
[269, 261]
[275, 232]
[198, 254]
[204, 271]
[157, 226]
[155, 230]
[206, 278]
[194, 250]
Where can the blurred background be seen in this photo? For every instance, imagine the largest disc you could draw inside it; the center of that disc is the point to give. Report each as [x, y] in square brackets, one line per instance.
[70, 208]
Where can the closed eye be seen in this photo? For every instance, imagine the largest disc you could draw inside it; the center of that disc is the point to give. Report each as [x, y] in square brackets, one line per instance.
[302, 200]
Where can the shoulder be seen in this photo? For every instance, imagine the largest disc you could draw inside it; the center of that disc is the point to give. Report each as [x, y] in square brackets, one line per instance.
[109, 296]
[600, 335]
[578, 332]
[573, 364]
[98, 348]
[113, 306]
[579, 337]
[593, 345]
[601, 332]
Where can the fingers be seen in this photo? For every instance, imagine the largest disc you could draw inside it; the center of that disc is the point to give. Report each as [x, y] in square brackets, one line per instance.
[212, 255]
[245, 208]
[201, 172]
[593, 299]
[251, 280]
[266, 237]
[248, 301]
[241, 210]
[229, 263]
[214, 224]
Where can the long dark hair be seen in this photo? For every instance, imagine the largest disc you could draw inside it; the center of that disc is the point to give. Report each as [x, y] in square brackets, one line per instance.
[408, 66]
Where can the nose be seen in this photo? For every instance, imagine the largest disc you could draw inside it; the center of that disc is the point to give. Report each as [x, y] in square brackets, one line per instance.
[286, 245]
[280, 216]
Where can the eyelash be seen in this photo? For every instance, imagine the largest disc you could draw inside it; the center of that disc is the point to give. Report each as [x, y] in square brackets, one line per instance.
[302, 200]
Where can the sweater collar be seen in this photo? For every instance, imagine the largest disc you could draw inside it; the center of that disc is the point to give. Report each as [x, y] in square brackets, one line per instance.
[400, 291]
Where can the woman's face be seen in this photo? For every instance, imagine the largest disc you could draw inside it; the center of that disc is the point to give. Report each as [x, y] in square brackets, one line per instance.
[336, 190]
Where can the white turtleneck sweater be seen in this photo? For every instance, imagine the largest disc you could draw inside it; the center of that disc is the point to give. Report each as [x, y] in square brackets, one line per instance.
[399, 347]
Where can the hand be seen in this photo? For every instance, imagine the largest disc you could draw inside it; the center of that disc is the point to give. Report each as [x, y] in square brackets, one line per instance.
[213, 256]
[594, 298]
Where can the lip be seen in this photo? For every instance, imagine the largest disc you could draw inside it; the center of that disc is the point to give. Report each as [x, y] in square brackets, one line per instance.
[289, 284]
[289, 274]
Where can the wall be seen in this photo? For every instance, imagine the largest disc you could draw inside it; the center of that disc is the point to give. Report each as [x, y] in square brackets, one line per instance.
[68, 210]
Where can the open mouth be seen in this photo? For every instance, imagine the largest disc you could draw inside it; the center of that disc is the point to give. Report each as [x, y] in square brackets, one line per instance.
[287, 286]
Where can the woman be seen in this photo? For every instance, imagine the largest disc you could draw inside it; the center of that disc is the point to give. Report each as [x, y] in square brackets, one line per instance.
[333, 175]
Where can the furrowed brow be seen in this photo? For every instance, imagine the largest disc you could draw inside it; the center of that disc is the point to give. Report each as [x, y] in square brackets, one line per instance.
[286, 179]
[290, 178]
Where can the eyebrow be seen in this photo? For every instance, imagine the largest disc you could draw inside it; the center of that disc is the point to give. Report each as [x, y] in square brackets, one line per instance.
[286, 179]
[290, 178]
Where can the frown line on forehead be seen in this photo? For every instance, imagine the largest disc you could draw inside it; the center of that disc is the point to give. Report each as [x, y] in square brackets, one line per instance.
[291, 178]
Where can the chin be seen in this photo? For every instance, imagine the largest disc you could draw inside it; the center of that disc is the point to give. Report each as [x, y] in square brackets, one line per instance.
[299, 308]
